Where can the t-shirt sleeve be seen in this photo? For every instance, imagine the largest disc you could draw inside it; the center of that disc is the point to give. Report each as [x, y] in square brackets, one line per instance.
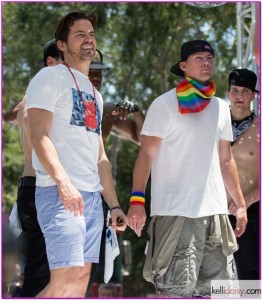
[42, 90]
[157, 121]
[226, 132]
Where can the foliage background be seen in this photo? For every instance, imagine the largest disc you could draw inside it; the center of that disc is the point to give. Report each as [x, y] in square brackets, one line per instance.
[140, 42]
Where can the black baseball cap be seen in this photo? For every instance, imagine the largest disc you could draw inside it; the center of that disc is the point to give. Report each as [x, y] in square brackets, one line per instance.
[189, 48]
[50, 49]
[97, 62]
[243, 78]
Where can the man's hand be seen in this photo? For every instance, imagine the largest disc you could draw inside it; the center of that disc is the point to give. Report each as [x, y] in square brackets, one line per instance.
[241, 216]
[126, 107]
[119, 221]
[136, 218]
[71, 198]
[232, 208]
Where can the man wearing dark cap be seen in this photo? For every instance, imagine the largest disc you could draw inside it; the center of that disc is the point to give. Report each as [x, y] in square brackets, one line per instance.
[51, 56]
[185, 144]
[245, 149]
[36, 270]
[116, 117]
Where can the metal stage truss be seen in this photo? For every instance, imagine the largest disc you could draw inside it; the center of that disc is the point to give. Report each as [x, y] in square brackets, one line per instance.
[246, 14]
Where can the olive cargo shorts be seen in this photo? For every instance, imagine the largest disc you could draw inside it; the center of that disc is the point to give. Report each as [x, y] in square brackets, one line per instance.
[195, 263]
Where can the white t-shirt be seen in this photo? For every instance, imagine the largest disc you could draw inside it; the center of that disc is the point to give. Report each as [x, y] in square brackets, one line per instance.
[76, 124]
[186, 179]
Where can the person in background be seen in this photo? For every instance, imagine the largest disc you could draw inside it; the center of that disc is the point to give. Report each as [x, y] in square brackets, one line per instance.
[18, 286]
[185, 144]
[71, 166]
[106, 290]
[245, 149]
[9, 257]
[115, 118]
[36, 272]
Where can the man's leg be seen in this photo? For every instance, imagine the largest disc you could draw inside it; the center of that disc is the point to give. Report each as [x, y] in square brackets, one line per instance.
[37, 274]
[247, 256]
[70, 241]
[181, 276]
[64, 237]
[67, 282]
[214, 266]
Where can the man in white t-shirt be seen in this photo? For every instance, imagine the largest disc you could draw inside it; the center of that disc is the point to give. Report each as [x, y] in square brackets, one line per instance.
[185, 144]
[65, 113]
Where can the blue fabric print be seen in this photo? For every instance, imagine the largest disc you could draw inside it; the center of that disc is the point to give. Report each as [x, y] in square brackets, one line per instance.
[85, 113]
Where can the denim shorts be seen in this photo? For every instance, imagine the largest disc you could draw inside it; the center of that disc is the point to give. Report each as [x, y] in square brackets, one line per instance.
[70, 241]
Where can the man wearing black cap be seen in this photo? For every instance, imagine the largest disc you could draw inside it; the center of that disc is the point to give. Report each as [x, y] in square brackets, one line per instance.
[51, 56]
[115, 117]
[36, 270]
[245, 148]
[185, 144]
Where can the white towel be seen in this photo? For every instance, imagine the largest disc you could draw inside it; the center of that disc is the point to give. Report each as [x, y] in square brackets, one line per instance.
[14, 222]
[111, 252]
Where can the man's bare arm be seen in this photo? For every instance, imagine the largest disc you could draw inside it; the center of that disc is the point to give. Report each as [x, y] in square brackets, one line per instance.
[149, 147]
[130, 128]
[109, 192]
[11, 115]
[231, 181]
[117, 120]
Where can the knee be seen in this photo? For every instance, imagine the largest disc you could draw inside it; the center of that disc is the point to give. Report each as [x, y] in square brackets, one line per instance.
[67, 287]
[64, 281]
[76, 285]
[83, 280]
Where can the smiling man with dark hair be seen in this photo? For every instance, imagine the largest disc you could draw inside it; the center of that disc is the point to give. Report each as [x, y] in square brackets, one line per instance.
[72, 169]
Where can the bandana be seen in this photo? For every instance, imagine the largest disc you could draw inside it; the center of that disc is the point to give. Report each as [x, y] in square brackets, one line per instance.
[239, 127]
[192, 96]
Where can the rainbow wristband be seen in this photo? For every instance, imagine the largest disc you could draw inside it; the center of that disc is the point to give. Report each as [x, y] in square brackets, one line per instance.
[137, 198]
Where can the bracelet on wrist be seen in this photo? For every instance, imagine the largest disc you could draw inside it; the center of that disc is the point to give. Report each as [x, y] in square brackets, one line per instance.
[137, 198]
[115, 207]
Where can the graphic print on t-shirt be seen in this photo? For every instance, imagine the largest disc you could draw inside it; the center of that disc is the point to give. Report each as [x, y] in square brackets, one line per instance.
[85, 112]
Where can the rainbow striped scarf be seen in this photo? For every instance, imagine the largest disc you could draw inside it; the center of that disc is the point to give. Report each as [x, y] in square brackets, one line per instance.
[192, 96]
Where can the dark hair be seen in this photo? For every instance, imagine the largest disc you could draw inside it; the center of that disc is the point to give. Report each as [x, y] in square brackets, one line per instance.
[106, 286]
[55, 57]
[67, 22]
[244, 78]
